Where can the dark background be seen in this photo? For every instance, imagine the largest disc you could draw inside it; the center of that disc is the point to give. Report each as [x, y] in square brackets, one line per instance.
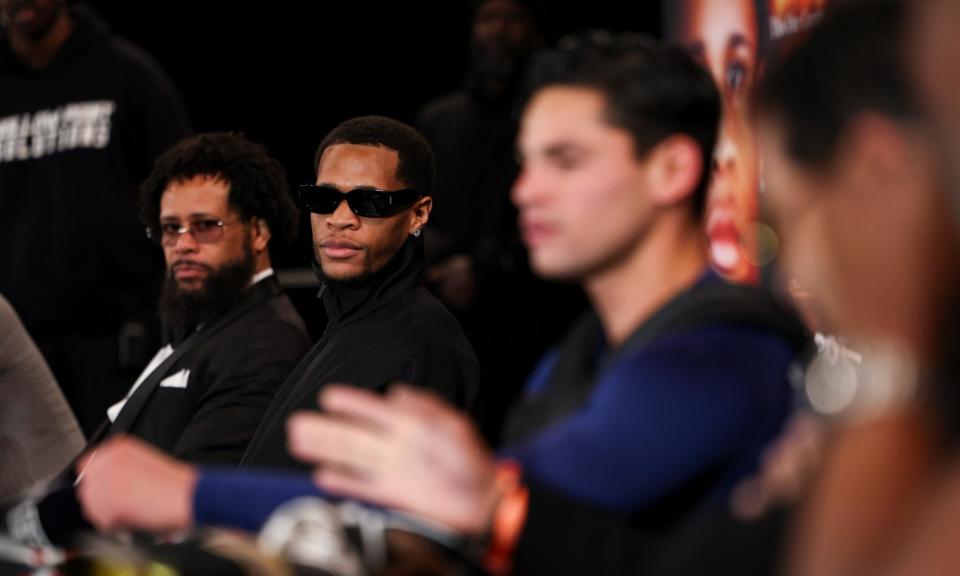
[287, 72]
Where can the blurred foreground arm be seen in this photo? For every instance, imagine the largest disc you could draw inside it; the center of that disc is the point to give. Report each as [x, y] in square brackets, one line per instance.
[128, 484]
[407, 450]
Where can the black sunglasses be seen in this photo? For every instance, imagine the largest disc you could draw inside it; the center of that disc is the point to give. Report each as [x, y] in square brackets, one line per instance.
[366, 202]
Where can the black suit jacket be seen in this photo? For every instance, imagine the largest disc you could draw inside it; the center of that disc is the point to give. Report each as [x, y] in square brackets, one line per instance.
[235, 363]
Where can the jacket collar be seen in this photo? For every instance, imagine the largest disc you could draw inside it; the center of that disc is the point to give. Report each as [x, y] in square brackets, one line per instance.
[347, 301]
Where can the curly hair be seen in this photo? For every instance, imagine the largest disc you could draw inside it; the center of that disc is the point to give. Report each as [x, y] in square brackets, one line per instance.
[258, 186]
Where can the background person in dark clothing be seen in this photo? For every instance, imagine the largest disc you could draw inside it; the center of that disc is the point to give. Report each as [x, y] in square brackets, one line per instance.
[83, 115]
[477, 263]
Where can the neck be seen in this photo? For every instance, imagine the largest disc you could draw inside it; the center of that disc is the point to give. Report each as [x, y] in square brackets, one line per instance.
[668, 260]
[38, 52]
[262, 262]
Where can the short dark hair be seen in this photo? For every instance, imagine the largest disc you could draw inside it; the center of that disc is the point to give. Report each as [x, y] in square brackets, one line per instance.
[852, 62]
[415, 165]
[257, 182]
[652, 90]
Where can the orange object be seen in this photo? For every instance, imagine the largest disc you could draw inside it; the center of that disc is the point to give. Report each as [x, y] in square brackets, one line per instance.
[509, 517]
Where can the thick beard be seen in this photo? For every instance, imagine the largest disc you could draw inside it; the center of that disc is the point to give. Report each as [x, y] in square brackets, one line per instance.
[183, 310]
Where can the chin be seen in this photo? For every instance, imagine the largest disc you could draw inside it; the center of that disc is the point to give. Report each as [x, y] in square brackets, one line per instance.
[555, 268]
[192, 285]
[341, 272]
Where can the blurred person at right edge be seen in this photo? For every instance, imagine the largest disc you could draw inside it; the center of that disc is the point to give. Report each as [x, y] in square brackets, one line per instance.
[855, 187]
[934, 56]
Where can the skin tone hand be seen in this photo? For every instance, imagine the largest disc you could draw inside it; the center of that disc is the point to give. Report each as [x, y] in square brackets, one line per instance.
[407, 450]
[127, 484]
[787, 470]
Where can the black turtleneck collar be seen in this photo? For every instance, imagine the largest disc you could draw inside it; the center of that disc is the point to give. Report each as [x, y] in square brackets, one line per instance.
[345, 302]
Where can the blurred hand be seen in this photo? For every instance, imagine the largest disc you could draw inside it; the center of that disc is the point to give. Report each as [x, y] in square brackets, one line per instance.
[407, 450]
[128, 484]
[787, 470]
[454, 280]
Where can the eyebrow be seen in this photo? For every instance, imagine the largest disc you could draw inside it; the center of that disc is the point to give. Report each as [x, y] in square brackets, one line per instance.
[556, 150]
[563, 149]
[191, 216]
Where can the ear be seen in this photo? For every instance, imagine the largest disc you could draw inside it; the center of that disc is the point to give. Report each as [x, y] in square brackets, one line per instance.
[260, 233]
[420, 214]
[674, 169]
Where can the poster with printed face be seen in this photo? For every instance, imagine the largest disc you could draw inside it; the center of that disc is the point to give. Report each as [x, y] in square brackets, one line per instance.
[731, 38]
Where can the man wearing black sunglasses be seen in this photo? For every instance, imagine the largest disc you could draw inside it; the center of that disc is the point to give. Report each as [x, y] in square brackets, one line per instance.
[369, 205]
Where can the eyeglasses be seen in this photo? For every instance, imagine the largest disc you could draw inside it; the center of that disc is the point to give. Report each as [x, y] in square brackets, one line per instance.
[204, 231]
[365, 202]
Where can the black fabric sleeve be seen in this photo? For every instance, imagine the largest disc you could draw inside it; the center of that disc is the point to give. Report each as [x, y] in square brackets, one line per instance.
[250, 369]
[562, 536]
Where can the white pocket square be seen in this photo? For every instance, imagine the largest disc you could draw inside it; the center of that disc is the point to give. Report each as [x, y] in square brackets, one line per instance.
[178, 380]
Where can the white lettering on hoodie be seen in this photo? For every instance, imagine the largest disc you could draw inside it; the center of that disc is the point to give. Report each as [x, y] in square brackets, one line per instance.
[79, 125]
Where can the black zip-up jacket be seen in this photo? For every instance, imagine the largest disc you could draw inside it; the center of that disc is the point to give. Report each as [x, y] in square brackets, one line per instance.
[387, 328]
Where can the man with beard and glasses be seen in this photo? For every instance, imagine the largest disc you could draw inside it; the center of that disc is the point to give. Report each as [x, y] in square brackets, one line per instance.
[213, 202]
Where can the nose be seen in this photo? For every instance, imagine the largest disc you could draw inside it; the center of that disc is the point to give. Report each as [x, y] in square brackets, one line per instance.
[186, 243]
[528, 188]
[342, 217]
